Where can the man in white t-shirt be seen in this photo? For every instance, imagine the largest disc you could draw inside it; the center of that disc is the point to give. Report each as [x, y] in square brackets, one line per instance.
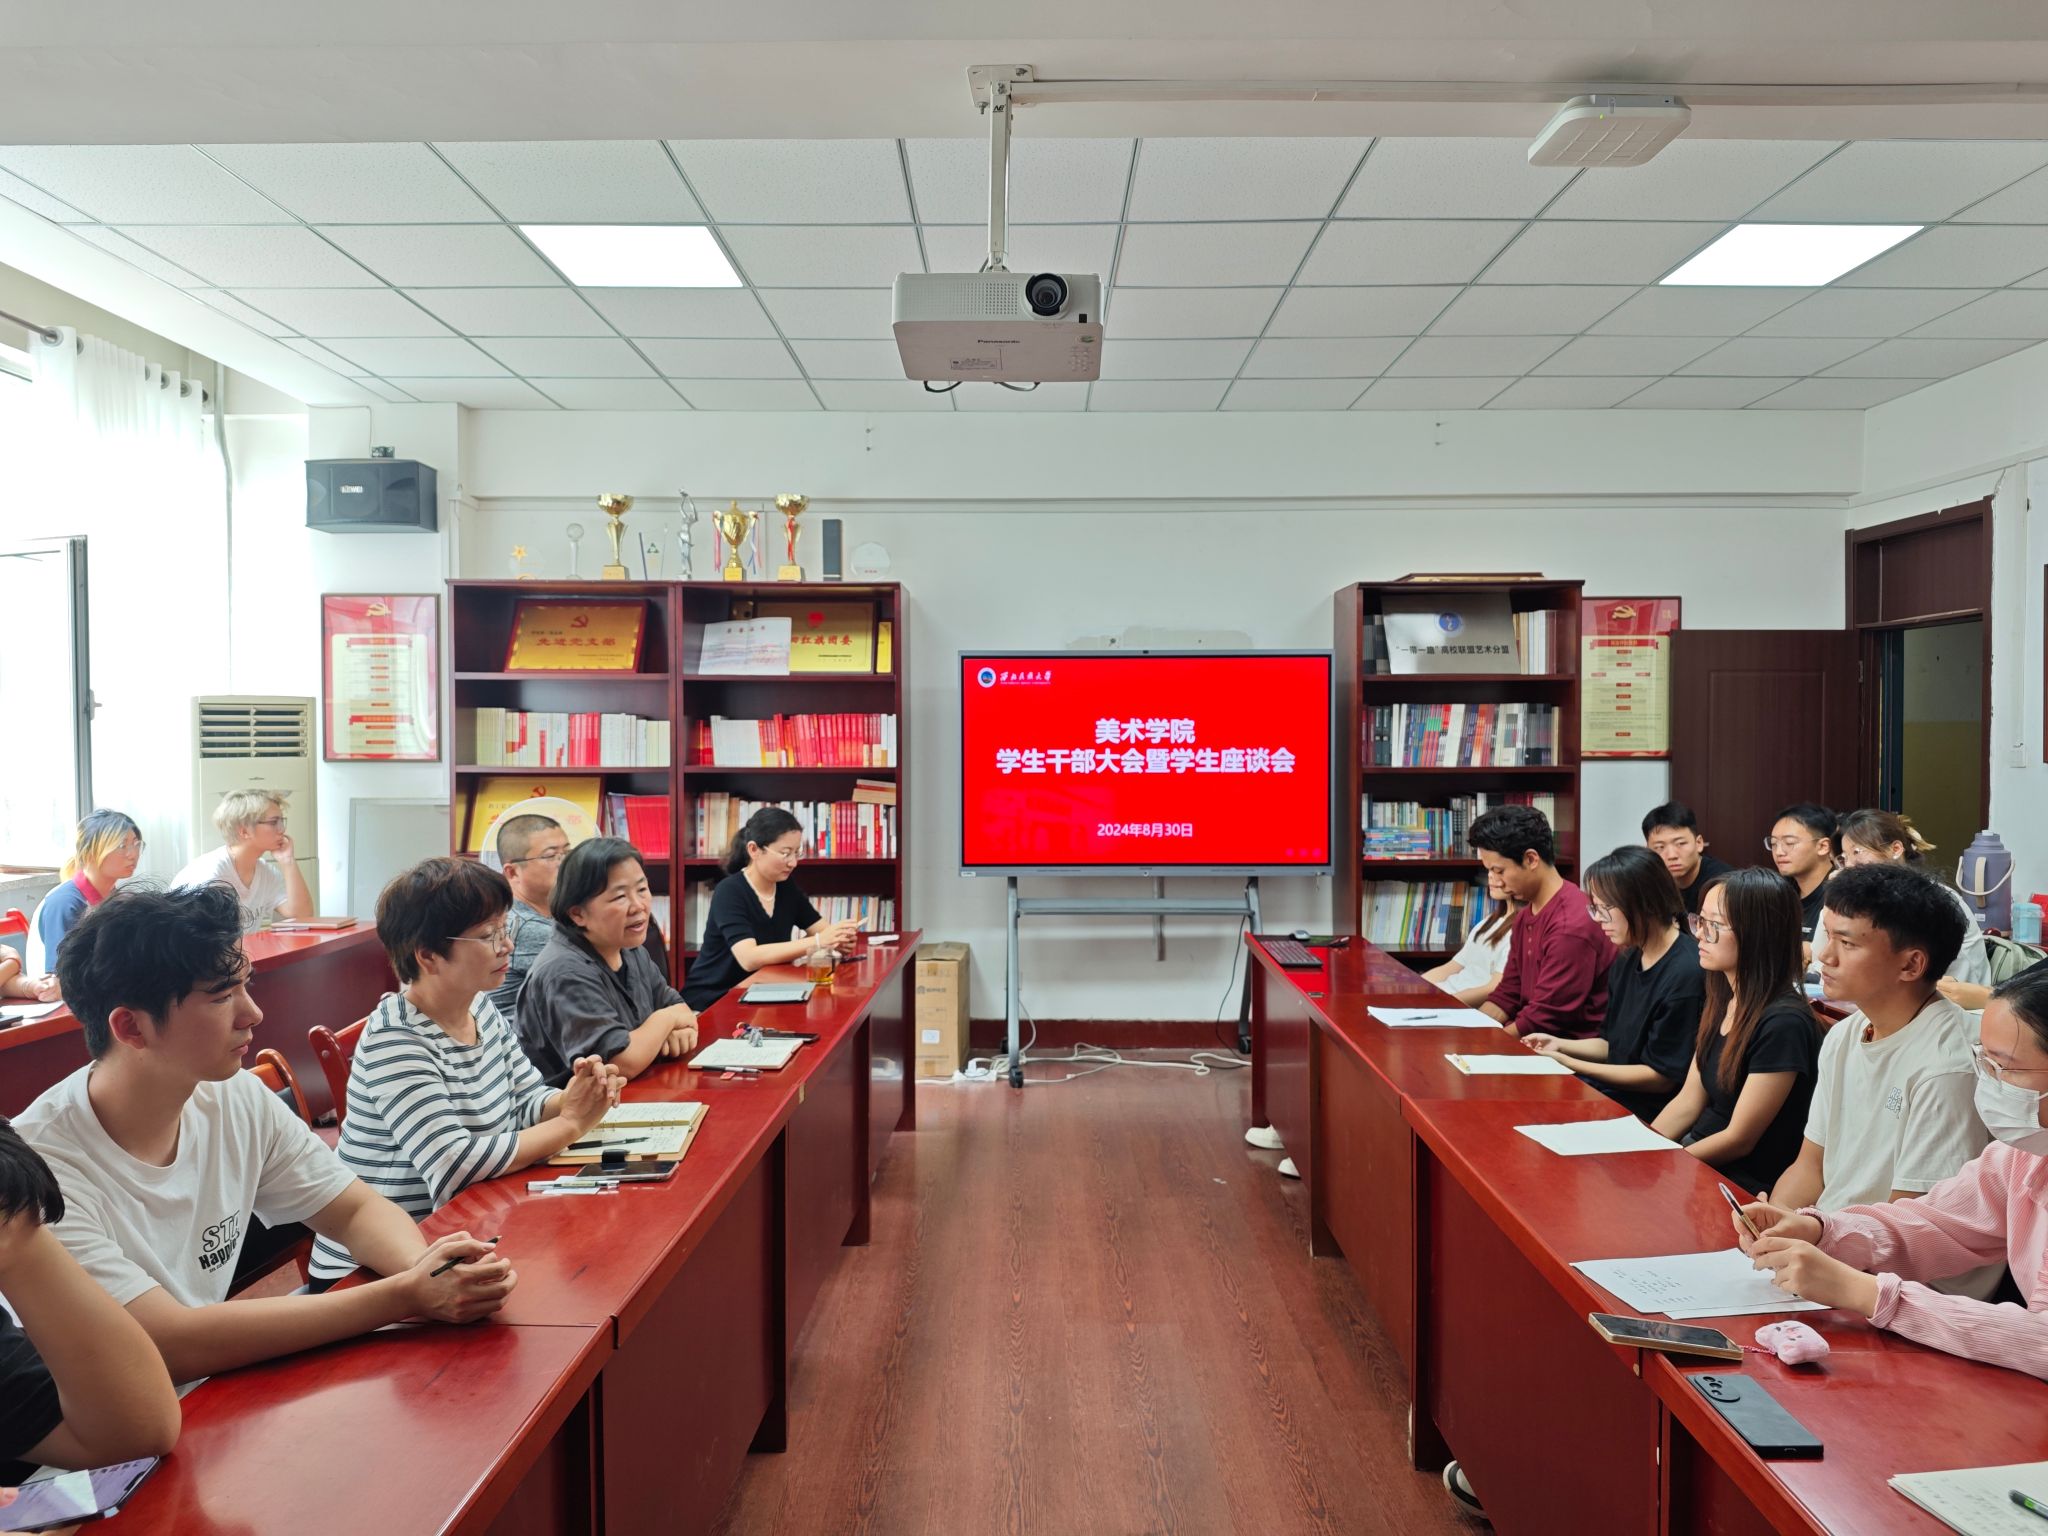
[164, 1147]
[253, 822]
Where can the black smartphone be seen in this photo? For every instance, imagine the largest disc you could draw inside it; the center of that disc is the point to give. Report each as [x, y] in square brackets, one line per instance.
[71, 1498]
[1672, 1338]
[646, 1171]
[1757, 1416]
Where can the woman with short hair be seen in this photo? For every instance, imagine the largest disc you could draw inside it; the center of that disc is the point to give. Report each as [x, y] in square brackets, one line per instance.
[104, 852]
[252, 823]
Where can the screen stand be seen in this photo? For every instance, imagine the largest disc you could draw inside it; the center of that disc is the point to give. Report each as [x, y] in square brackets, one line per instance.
[1245, 907]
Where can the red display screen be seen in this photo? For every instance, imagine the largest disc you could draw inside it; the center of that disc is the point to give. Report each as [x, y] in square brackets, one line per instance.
[1186, 761]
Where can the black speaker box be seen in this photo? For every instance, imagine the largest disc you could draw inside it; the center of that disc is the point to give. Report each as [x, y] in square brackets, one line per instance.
[371, 496]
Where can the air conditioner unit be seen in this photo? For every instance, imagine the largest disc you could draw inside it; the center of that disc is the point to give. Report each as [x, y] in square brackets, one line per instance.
[256, 743]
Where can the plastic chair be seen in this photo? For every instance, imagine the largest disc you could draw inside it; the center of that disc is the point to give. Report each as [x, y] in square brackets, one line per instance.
[335, 1049]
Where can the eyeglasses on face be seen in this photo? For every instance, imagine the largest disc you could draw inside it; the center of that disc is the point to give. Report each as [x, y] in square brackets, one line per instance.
[273, 821]
[1600, 912]
[1988, 1067]
[499, 937]
[552, 856]
[1708, 928]
[1785, 844]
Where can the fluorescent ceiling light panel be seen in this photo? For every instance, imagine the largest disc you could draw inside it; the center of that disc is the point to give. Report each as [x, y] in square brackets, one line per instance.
[1788, 255]
[635, 255]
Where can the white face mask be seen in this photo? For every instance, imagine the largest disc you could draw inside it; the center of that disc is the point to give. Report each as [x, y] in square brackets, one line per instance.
[2012, 1114]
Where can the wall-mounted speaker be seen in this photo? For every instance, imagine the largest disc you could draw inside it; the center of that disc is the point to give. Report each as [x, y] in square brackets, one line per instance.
[371, 496]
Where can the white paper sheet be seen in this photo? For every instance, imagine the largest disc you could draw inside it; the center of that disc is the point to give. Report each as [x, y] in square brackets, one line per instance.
[1975, 1500]
[1586, 1138]
[1722, 1283]
[1439, 1018]
[21, 1013]
[1514, 1064]
[769, 1055]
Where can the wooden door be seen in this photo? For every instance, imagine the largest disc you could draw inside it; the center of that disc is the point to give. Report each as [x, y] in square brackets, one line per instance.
[1759, 719]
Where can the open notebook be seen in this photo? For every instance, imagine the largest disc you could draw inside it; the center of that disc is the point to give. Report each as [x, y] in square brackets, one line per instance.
[1978, 1500]
[643, 1131]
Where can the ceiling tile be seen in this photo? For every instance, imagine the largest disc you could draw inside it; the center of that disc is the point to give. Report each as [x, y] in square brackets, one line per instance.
[1678, 394]
[796, 181]
[1478, 356]
[825, 256]
[1625, 356]
[1690, 179]
[1156, 394]
[1033, 248]
[421, 357]
[355, 183]
[1405, 251]
[748, 394]
[1431, 394]
[1862, 311]
[235, 309]
[512, 311]
[1323, 358]
[1903, 180]
[683, 311]
[1173, 359]
[1241, 178]
[1555, 251]
[325, 357]
[480, 394]
[1047, 397]
[148, 261]
[1451, 179]
[881, 395]
[578, 181]
[849, 359]
[1293, 394]
[728, 359]
[386, 391]
[1508, 310]
[567, 357]
[2015, 312]
[1956, 256]
[830, 313]
[443, 255]
[1789, 357]
[343, 311]
[1689, 311]
[1052, 181]
[253, 255]
[1923, 358]
[141, 184]
[1838, 394]
[1564, 394]
[39, 202]
[1160, 313]
[1206, 255]
[2024, 202]
[611, 394]
[1403, 311]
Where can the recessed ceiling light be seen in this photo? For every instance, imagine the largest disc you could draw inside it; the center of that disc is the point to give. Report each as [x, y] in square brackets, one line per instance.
[1788, 255]
[634, 255]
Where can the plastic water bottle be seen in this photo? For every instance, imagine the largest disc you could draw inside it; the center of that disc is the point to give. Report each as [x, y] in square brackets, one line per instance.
[2026, 922]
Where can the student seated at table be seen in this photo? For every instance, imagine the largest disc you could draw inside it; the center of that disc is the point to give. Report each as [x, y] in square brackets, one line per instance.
[164, 1147]
[81, 1385]
[1747, 1089]
[1887, 837]
[531, 848]
[594, 991]
[19, 985]
[104, 852]
[1555, 978]
[1472, 974]
[1879, 1260]
[440, 1095]
[1672, 832]
[757, 907]
[1655, 989]
[252, 822]
[1802, 846]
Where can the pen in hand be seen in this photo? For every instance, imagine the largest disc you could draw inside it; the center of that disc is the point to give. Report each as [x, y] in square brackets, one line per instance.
[453, 1262]
[1735, 1205]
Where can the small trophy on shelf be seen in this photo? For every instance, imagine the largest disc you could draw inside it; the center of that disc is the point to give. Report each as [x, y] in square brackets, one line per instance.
[686, 539]
[735, 525]
[519, 562]
[615, 507]
[791, 507]
[575, 532]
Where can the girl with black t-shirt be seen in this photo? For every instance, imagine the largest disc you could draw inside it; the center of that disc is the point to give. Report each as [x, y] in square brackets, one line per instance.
[755, 909]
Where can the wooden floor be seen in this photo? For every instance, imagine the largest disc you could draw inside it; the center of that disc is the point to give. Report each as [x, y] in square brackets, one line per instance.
[1088, 1310]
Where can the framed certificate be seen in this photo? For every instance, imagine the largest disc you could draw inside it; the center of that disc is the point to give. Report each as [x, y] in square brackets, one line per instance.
[1625, 676]
[380, 691]
[553, 636]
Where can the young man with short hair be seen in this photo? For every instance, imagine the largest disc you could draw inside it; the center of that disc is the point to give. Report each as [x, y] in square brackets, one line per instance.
[1672, 832]
[531, 849]
[1555, 980]
[252, 823]
[165, 1147]
[1802, 846]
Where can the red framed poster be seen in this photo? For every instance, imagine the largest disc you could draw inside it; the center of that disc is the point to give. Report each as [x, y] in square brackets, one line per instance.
[380, 683]
[1625, 676]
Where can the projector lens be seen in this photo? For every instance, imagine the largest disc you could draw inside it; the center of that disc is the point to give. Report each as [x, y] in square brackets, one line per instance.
[1046, 293]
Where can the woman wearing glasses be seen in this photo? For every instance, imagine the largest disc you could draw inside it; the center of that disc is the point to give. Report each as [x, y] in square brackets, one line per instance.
[107, 848]
[439, 1093]
[1743, 1106]
[252, 822]
[756, 908]
[1878, 1260]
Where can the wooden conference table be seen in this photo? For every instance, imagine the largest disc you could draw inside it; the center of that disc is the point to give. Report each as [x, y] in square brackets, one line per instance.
[645, 1351]
[1462, 1233]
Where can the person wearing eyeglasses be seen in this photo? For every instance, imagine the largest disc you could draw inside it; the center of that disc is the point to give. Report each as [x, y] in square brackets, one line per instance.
[252, 823]
[440, 1095]
[1888, 837]
[1802, 846]
[105, 852]
[1879, 1260]
[531, 849]
[757, 908]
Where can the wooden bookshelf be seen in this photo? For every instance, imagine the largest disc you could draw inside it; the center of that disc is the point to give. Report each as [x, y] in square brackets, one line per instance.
[1360, 690]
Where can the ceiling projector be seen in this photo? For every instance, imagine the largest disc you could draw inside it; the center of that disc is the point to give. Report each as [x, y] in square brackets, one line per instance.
[1006, 327]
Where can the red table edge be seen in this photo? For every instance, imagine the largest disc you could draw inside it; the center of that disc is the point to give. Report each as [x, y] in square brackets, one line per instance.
[1728, 1450]
[491, 1494]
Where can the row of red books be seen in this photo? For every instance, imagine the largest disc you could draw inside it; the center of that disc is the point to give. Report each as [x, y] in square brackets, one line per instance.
[797, 741]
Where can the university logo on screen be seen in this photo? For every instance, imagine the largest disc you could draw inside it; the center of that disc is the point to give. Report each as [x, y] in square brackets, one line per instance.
[1030, 677]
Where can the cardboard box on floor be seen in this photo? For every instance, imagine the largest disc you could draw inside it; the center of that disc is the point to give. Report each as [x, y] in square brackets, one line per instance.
[940, 1028]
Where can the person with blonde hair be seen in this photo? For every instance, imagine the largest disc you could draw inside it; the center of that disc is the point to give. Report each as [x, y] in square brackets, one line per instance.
[252, 822]
[105, 852]
[1889, 837]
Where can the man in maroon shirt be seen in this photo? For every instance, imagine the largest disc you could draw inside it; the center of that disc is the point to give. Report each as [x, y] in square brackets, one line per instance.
[1555, 982]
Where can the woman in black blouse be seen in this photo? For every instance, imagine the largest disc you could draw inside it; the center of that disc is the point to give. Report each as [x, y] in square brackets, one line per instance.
[756, 908]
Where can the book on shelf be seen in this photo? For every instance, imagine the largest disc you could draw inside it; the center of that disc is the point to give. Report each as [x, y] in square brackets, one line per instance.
[641, 820]
[874, 792]
[1532, 650]
[519, 738]
[875, 914]
[1461, 735]
[1420, 914]
[1536, 641]
[797, 741]
[1407, 829]
[832, 829]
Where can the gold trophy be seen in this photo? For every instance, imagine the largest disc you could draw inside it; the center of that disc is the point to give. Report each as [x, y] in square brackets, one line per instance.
[734, 525]
[615, 509]
[791, 507]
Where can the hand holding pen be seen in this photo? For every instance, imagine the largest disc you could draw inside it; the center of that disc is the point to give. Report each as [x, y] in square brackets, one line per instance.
[458, 1279]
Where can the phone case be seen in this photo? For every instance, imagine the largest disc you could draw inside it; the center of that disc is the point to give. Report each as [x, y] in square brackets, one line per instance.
[1757, 1416]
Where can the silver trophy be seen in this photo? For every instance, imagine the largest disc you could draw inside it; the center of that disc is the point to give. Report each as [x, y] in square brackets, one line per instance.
[575, 532]
[686, 538]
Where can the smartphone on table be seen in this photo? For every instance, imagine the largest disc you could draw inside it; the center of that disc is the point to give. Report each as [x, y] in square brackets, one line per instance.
[1671, 1338]
[71, 1498]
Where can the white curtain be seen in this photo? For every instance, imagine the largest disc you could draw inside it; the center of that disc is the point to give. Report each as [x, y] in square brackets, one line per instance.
[126, 456]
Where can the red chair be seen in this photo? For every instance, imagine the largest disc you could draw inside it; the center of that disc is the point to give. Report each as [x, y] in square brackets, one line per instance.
[335, 1049]
[277, 1075]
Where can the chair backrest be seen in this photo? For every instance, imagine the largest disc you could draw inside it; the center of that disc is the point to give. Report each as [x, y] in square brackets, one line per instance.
[275, 1073]
[13, 923]
[335, 1049]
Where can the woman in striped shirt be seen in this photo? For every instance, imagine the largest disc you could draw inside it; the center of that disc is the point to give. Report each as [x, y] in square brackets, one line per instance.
[440, 1094]
[1877, 1259]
